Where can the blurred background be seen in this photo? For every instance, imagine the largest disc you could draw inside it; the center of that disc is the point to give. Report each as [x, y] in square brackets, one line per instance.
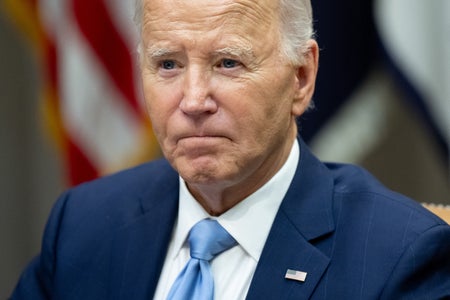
[71, 107]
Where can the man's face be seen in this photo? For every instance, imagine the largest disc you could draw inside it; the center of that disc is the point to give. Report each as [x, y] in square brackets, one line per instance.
[221, 99]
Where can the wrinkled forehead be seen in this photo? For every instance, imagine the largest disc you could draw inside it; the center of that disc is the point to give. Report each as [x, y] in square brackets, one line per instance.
[161, 14]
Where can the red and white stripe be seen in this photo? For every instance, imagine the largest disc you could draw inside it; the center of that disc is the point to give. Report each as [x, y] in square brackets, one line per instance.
[104, 123]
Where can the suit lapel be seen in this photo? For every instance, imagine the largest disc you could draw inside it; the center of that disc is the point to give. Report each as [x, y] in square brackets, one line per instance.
[287, 250]
[140, 246]
[304, 215]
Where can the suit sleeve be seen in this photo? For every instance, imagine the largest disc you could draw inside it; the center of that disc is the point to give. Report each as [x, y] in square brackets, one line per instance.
[36, 281]
[423, 271]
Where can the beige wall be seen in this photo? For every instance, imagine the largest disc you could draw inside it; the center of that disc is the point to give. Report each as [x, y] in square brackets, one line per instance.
[29, 173]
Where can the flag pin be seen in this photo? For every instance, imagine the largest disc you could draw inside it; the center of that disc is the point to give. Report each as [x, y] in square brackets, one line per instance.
[295, 275]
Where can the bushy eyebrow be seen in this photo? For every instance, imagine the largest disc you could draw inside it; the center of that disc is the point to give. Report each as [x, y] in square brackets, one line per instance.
[233, 51]
[155, 52]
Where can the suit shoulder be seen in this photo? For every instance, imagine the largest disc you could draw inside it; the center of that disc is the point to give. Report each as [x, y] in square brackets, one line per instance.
[118, 196]
[142, 177]
[357, 189]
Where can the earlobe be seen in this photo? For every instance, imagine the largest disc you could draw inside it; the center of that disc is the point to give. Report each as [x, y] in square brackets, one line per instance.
[305, 79]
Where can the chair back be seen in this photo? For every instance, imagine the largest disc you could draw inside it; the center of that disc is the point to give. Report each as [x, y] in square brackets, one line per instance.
[442, 211]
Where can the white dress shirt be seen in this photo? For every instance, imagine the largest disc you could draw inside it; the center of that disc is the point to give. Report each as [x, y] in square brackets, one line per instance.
[249, 223]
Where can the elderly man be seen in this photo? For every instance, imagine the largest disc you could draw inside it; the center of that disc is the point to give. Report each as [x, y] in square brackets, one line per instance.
[240, 208]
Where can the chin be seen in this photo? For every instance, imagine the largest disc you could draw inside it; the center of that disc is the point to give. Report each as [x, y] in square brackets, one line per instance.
[212, 168]
[198, 170]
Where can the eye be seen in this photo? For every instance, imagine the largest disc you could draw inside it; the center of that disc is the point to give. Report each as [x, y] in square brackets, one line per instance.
[168, 64]
[229, 63]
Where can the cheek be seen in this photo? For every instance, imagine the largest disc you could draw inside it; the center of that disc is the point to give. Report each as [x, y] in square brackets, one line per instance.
[161, 101]
[273, 100]
[252, 116]
[279, 98]
[272, 107]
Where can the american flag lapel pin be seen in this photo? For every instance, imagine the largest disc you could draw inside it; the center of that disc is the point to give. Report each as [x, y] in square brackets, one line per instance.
[295, 275]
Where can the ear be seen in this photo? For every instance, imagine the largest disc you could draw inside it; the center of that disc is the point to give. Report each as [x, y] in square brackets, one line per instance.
[306, 79]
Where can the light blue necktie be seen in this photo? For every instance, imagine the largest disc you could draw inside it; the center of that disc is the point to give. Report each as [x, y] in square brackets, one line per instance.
[206, 239]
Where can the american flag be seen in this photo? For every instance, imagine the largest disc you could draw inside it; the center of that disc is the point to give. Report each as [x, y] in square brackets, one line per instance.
[295, 275]
[90, 100]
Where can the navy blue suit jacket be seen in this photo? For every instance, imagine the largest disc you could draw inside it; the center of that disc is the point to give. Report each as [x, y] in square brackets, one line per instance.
[107, 239]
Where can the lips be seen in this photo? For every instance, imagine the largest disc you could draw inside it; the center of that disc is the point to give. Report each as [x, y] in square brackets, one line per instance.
[199, 132]
[202, 135]
[201, 144]
[201, 138]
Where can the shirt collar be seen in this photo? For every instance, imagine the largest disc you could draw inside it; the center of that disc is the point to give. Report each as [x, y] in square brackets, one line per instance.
[249, 221]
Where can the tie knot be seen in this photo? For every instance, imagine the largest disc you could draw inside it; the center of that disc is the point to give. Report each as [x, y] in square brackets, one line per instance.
[207, 239]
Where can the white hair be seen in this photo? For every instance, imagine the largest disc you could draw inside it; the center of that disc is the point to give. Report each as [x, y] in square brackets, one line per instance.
[138, 14]
[295, 30]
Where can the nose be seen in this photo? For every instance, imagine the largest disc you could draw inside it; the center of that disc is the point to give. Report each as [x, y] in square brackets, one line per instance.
[197, 96]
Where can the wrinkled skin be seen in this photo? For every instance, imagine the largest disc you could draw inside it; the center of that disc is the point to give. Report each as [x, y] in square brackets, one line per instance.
[221, 97]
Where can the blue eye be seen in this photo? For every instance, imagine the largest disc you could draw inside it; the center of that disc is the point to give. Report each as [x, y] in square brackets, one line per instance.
[168, 64]
[229, 63]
